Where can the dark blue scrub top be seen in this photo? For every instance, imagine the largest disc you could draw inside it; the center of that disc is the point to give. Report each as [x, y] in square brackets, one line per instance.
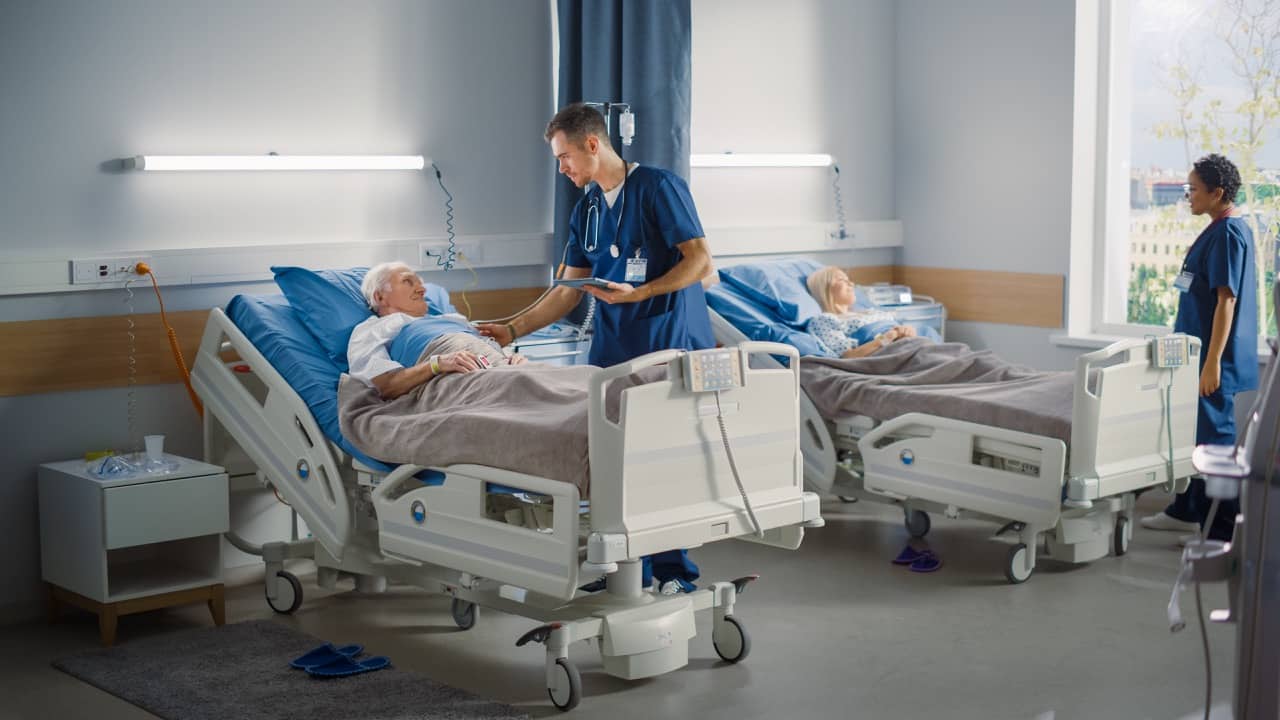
[657, 214]
[1223, 256]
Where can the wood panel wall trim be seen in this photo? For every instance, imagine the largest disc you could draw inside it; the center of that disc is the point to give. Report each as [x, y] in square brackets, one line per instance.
[1008, 298]
[67, 354]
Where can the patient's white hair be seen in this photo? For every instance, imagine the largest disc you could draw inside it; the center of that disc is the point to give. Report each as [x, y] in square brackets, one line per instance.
[379, 279]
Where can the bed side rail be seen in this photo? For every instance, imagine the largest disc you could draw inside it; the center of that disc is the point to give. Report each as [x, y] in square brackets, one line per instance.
[448, 525]
[276, 431]
[1120, 439]
[991, 470]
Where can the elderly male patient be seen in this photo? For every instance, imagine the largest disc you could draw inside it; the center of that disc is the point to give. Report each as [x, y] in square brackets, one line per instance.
[396, 294]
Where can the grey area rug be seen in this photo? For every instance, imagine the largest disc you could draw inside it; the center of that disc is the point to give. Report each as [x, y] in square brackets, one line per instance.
[242, 671]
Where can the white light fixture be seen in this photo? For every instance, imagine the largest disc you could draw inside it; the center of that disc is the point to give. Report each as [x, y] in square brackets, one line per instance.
[730, 159]
[278, 162]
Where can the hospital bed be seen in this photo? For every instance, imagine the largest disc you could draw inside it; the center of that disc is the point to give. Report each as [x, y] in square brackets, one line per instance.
[1077, 499]
[270, 404]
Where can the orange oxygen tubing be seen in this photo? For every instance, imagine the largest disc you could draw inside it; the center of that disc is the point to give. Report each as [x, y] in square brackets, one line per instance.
[145, 269]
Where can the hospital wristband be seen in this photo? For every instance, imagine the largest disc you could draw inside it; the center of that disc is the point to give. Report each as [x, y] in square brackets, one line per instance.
[434, 360]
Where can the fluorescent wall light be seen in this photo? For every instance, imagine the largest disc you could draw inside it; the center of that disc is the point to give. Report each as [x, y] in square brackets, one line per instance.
[760, 160]
[279, 162]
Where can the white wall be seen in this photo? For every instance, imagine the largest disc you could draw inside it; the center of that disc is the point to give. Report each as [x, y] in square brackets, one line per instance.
[983, 112]
[805, 76]
[82, 83]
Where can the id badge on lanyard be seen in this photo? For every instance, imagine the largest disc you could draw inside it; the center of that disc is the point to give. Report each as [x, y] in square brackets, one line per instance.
[637, 267]
[1183, 281]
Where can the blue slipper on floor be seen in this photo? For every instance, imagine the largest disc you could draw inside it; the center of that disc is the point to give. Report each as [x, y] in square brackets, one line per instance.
[344, 666]
[910, 555]
[325, 654]
[926, 563]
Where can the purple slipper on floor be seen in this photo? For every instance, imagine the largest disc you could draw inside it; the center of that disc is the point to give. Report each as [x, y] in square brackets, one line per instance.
[910, 555]
[926, 563]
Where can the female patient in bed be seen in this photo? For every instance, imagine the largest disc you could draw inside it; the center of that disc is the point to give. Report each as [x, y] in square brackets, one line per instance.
[375, 352]
[847, 332]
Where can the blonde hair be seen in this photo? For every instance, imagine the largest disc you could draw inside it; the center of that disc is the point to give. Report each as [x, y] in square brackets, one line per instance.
[819, 284]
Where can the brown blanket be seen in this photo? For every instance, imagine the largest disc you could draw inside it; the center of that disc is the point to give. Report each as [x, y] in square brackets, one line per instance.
[945, 379]
[529, 418]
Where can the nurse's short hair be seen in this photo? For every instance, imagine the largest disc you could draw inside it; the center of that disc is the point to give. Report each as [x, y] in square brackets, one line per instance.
[1215, 171]
[577, 121]
[379, 278]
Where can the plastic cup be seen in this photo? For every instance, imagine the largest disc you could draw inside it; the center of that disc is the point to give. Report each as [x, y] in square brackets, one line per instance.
[155, 447]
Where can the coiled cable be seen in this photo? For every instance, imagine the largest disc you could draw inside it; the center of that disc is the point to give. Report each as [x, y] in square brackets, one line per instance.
[449, 258]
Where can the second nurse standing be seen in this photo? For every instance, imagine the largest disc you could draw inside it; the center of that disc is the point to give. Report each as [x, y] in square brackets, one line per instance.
[1218, 303]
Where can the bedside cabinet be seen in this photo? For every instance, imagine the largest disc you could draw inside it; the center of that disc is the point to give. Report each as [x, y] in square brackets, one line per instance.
[119, 546]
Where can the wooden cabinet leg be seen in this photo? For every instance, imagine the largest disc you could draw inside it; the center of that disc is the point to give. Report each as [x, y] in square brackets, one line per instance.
[217, 605]
[51, 602]
[107, 618]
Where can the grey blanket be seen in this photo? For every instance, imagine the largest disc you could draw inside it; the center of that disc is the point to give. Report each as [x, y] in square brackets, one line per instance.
[945, 379]
[529, 418]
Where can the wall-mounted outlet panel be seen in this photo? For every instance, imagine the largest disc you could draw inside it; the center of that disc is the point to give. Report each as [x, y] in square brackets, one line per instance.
[431, 254]
[98, 271]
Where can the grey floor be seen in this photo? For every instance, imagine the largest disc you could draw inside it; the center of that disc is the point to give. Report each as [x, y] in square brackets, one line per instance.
[837, 632]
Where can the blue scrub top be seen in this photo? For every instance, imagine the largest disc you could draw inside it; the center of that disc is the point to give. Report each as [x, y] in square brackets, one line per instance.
[1223, 256]
[652, 215]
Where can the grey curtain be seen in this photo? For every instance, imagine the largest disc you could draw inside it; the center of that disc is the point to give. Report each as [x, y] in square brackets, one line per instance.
[631, 51]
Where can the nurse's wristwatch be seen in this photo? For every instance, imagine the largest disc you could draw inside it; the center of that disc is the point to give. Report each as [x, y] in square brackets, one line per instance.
[512, 329]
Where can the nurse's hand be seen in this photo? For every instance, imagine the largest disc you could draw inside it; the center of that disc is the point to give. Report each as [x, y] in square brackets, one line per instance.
[618, 293]
[1210, 377]
[497, 332]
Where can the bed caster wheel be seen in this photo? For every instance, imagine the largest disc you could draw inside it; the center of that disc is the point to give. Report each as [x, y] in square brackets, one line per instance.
[917, 522]
[1015, 569]
[1120, 541]
[566, 693]
[847, 499]
[464, 613]
[288, 594]
[731, 641]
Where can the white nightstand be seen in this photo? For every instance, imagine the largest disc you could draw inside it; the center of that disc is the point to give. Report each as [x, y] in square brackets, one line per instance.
[121, 546]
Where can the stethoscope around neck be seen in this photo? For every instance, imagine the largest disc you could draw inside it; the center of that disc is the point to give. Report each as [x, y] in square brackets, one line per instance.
[591, 231]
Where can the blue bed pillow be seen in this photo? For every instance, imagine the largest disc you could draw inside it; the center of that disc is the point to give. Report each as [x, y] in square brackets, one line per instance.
[414, 337]
[278, 332]
[761, 323]
[778, 285]
[331, 305]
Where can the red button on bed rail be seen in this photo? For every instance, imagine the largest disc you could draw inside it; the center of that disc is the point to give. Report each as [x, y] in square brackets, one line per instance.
[242, 368]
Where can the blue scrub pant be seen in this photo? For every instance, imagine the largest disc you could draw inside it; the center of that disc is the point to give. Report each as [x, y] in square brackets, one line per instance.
[668, 565]
[1215, 425]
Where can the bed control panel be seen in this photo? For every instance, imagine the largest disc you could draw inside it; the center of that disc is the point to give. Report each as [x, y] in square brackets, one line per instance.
[1171, 351]
[709, 370]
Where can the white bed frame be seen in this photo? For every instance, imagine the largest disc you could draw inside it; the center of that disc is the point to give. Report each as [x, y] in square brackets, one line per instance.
[927, 463]
[660, 480]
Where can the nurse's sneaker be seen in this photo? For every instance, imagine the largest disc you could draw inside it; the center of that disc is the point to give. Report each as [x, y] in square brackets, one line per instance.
[676, 587]
[1163, 521]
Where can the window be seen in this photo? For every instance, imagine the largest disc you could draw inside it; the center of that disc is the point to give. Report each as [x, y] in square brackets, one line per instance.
[1159, 83]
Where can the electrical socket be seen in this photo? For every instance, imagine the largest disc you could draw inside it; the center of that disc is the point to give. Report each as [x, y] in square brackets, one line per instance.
[432, 253]
[98, 271]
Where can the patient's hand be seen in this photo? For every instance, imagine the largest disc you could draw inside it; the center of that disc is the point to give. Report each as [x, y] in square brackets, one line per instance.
[459, 362]
[517, 359]
[904, 331]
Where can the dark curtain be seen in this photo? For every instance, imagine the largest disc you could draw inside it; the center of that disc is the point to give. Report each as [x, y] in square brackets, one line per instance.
[631, 51]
